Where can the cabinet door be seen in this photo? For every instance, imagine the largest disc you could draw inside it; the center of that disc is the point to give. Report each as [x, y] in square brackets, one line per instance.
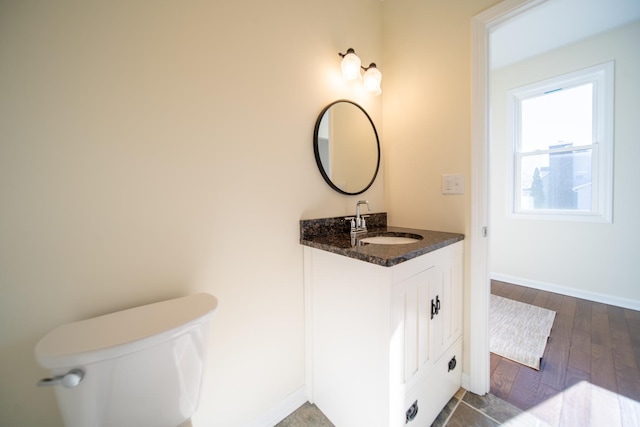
[438, 309]
[427, 316]
[451, 306]
[412, 325]
[446, 305]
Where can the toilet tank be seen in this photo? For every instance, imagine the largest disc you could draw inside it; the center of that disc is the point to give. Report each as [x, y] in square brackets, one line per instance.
[142, 366]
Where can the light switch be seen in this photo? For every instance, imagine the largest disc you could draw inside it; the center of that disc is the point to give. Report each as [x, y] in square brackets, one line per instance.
[453, 184]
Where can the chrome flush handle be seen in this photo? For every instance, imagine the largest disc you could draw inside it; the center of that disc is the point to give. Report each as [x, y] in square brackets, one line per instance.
[69, 380]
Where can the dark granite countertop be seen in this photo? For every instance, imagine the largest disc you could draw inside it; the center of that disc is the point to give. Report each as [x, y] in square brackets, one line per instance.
[332, 235]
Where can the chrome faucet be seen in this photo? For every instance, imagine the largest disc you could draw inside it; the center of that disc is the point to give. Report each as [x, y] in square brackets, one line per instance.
[360, 223]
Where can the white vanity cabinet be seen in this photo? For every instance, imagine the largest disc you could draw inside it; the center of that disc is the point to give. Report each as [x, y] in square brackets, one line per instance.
[381, 338]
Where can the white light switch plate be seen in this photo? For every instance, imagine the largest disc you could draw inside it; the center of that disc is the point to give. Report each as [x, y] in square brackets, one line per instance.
[453, 184]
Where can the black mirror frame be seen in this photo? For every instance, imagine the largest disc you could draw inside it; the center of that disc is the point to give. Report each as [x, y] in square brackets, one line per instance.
[316, 151]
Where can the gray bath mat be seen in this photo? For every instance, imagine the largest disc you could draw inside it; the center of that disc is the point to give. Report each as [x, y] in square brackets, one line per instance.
[519, 331]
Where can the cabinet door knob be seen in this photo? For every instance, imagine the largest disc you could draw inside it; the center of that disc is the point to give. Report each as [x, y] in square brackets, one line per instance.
[452, 364]
[412, 412]
[435, 306]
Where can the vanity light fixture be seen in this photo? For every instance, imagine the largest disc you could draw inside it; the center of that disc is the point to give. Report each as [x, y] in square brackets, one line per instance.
[351, 66]
[372, 78]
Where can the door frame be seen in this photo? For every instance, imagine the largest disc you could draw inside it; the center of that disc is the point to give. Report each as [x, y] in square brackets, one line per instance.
[481, 27]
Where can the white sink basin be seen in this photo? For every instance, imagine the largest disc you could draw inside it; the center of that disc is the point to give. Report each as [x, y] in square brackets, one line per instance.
[389, 240]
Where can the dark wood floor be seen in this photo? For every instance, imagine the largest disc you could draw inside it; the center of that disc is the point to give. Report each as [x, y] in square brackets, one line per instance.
[589, 375]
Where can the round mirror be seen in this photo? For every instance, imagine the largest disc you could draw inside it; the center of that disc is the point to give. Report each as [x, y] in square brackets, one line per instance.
[346, 147]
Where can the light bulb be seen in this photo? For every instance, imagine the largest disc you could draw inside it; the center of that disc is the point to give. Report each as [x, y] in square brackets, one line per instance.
[372, 78]
[350, 65]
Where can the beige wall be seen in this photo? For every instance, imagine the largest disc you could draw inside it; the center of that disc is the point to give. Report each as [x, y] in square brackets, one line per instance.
[590, 259]
[152, 149]
[427, 109]
[427, 115]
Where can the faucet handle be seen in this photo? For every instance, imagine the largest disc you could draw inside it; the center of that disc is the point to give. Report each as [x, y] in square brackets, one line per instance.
[352, 219]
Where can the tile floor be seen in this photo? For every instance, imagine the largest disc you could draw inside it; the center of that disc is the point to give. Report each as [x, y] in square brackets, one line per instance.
[465, 409]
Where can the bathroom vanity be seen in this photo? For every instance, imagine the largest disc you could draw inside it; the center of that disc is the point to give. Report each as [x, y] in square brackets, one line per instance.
[384, 323]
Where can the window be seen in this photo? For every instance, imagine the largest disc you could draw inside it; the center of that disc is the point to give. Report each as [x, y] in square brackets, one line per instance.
[562, 131]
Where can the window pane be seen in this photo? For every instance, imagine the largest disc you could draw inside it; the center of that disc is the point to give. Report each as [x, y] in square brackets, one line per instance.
[563, 146]
[558, 117]
[556, 181]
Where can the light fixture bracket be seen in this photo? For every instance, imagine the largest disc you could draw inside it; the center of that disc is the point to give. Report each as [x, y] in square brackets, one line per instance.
[350, 50]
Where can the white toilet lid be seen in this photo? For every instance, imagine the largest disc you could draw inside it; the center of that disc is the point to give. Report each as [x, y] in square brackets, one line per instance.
[122, 332]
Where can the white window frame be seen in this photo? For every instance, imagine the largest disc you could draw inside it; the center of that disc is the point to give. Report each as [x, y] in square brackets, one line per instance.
[602, 77]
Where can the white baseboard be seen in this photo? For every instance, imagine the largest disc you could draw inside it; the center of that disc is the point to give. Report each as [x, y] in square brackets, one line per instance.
[572, 292]
[281, 410]
[466, 381]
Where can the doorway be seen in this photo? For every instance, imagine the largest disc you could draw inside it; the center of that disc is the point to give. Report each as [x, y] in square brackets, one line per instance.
[484, 26]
